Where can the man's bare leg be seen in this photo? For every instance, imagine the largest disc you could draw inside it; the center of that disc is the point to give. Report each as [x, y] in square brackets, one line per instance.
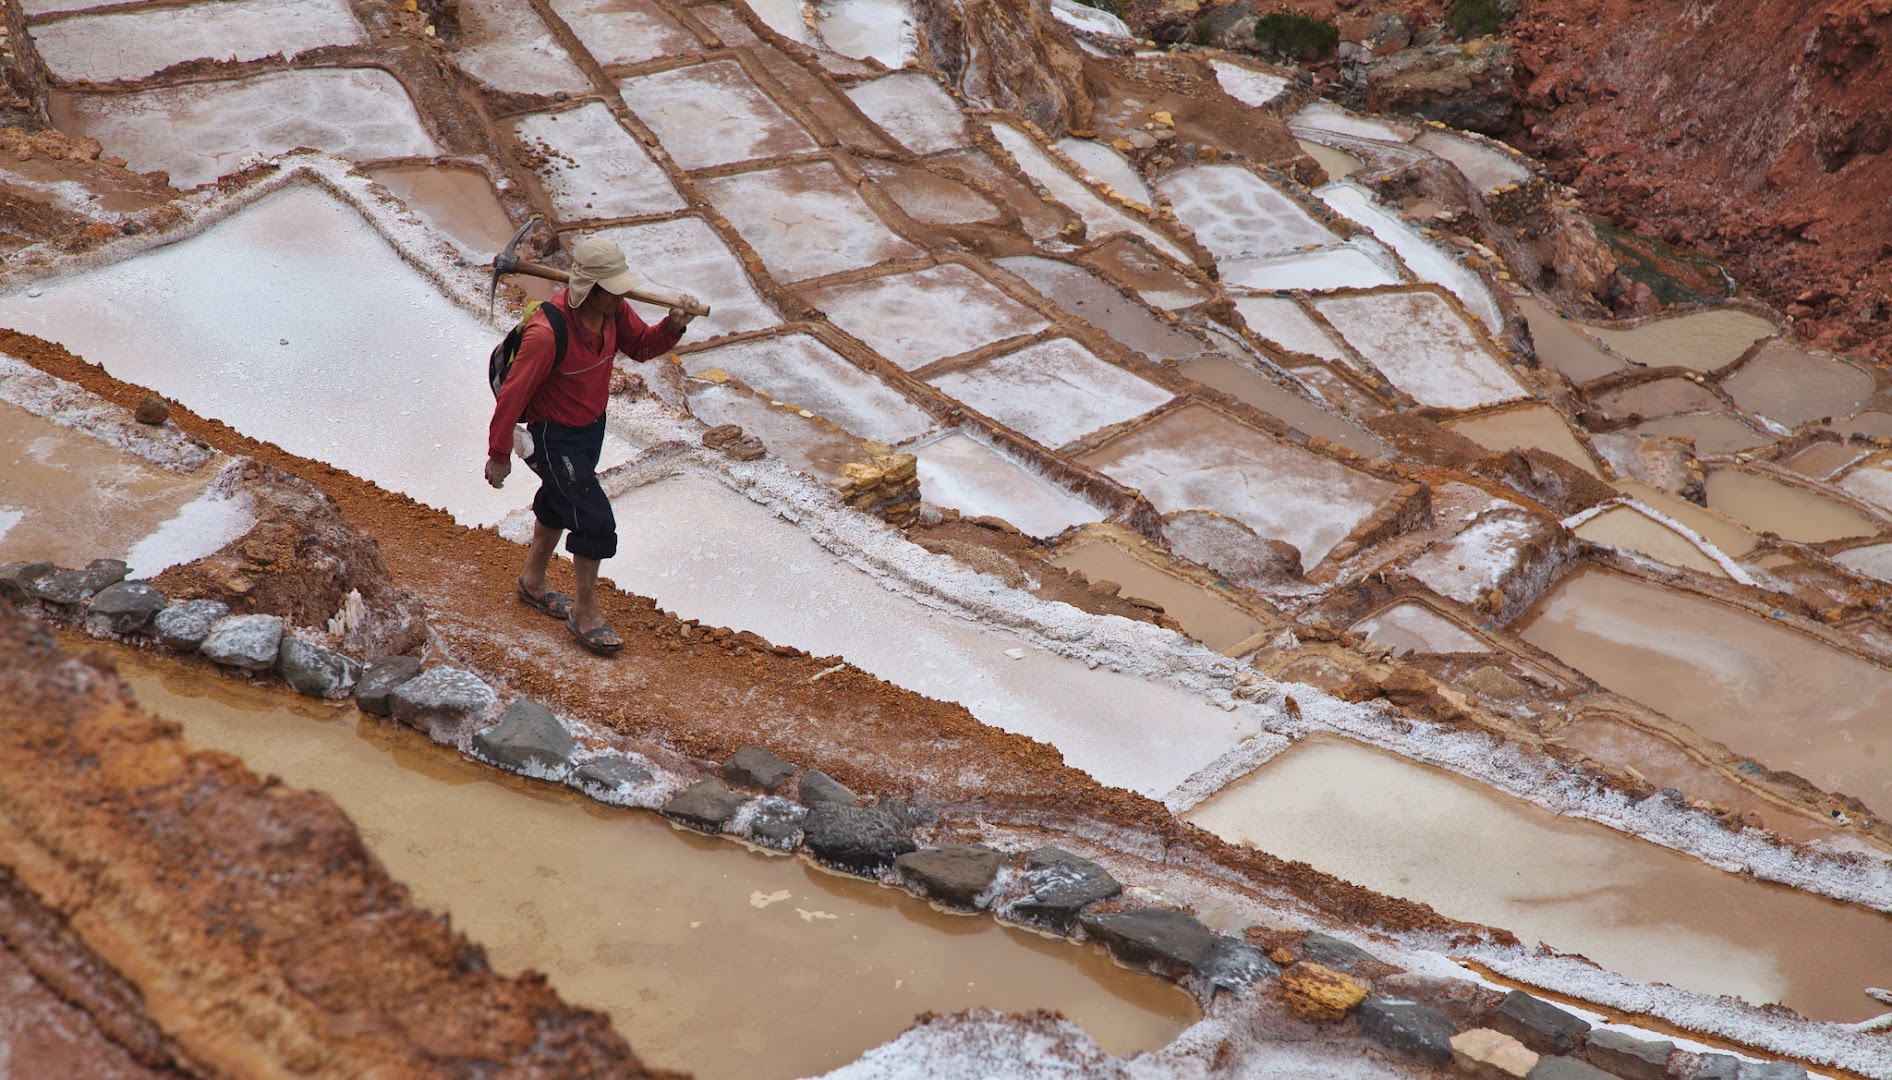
[539, 557]
[586, 615]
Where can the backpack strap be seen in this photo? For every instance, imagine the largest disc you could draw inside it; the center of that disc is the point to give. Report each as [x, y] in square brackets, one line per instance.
[556, 320]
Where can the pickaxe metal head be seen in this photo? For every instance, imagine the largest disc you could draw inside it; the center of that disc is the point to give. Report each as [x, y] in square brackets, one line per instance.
[507, 261]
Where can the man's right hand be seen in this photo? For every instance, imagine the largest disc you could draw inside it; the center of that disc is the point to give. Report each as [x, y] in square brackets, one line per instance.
[497, 469]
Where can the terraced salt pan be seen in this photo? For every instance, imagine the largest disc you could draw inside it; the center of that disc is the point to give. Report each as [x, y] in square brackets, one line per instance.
[1871, 483]
[1537, 427]
[1080, 16]
[1794, 513]
[868, 29]
[1158, 283]
[801, 371]
[134, 44]
[685, 255]
[805, 220]
[1424, 346]
[596, 169]
[1323, 116]
[1486, 167]
[1080, 292]
[1409, 627]
[1714, 433]
[625, 31]
[1107, 165]
[1731, 538]
[1337, 163]
[1661, 397]
[344, 354]
[504, 44]
[1246, 85]
[1471, 564]
[738, 565]
[1426, 260]
[1398, 827]
[713, 114]
[1700, 341]
[1197, 458]
[913, 108]
[1821, 460]
[1561, 345]
[1101, 219]
[1632, 530]
[1238, 215]
[900, 316]
[1054, 392]
[458, 203]
[929, 197]
[960, 473]
[200, 131]
[1202, 611]
[1874, 560]
[1347, 266]
[1287, 324]
[1767, 692]
[1244, 383]
[1792, 386]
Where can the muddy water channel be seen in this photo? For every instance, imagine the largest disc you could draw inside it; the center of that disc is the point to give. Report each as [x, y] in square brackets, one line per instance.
[1409, 830]
[1767, 692]
[709, 957]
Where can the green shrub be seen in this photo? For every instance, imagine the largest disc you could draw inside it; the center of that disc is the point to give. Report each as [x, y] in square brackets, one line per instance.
[1285, 33]
[1470, 19]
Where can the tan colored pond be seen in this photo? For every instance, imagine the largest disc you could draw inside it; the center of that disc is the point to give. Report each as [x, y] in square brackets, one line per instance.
[1403, 828]
[1702, 341]
[1768, 693]
[1204, 615]
[1245, 384]
[1731, 538]
[1768, 505]
[1661, 397]
[1632, 530]
[1791, 385]
[1714, 433]
[708, 956]
[458, 202]
[1536, 427]
[1561, 345]
[1338, 163]
[68, 498]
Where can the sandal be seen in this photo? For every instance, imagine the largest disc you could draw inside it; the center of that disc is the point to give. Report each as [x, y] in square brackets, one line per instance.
[593, 639]
[555, 604]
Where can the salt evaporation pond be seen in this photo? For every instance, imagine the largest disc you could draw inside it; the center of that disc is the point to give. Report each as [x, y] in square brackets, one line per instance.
[1767, 692]
[1536, 427]
[961, 473]
[898, 315]
[913, 108]
[1412, 627]
[197, 132]
[1204, 615]
[625, 31]
[1765, 504]
[1419, 342]
[297, 324]
[867, 29]
[738, 565]
[596, 169]
[1343, 266]
[1632, 530]
[1426, 260]
[1561, 345]
[1055, 392]
[1282, 321]
[801, 371]
[133, 44]
[1101, 218]
[505, 45]
[805, 221]
[1246, 384]
[1404, 829]
[1702, 341]
[668, 932]
[1713, 433]
[713, 114]
[459, 203]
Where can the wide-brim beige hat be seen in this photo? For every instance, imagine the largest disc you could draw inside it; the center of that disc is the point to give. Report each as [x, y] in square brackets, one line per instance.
[597, 261]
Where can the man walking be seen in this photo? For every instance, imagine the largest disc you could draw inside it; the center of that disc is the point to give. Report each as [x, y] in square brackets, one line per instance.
[562, 403]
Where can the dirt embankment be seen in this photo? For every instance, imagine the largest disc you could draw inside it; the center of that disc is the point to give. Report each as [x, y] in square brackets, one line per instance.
[195, 919]
[1758, 129]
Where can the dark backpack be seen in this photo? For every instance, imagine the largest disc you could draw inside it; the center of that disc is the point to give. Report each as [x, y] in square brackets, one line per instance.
[499, 365]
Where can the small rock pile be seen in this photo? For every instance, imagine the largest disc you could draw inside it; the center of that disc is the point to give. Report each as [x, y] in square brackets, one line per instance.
[886, 486]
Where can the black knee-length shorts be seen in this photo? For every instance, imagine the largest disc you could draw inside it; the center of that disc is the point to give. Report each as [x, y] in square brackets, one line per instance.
[570, 497]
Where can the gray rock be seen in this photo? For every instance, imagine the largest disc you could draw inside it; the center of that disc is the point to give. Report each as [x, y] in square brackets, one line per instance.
[18, 580]
[818, 787]
[612, 772]
[67, 588]
[1061, 885]
[527, 736]
[1234, 963]
[382, 676]
[1770, 1070]
[1717, 1067]
[1566, 1068]
[1537, 1024]
[443, 702]
[125, 608]
[1413, 1031]
[315, 670]
[705, 806]
[753, 766]
[1170, 942]
[858, 839]
[185, 626]
[1333, 952]
[249, 642]
[1627, 1056]
[908, 815]
[953, 874]
[777, 823]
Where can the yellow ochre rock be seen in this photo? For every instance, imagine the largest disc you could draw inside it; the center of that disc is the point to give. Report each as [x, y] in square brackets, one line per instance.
[1317, 992]
[1483, 1052]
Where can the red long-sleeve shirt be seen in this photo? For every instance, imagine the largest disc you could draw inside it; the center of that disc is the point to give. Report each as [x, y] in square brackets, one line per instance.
[576, 393]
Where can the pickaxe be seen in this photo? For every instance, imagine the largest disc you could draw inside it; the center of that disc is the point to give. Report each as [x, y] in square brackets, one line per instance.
[509, 262]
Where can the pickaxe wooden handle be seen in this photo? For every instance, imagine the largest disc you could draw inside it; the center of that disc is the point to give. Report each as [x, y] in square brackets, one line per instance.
[508, 263]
